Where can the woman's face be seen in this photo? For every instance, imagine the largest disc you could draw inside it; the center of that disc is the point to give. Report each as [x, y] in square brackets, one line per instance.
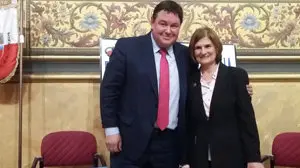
[205, 52]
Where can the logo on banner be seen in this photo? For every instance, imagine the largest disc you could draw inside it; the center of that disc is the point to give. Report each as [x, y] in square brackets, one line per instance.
[108, 51]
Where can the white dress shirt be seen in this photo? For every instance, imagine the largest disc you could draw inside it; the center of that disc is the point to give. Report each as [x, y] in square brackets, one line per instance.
[207, 88]
[174, 82]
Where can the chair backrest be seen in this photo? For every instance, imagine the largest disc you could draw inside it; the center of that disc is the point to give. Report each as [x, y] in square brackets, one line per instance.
[68, 148]
[286, 149]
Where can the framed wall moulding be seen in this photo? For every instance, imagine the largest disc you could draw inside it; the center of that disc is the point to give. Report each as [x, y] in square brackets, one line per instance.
[96, 77]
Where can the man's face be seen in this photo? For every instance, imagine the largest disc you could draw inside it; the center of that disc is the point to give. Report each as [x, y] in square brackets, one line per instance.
[165, 28]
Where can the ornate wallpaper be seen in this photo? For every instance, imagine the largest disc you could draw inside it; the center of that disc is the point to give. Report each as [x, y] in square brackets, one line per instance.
[5, 2]
[69, 24]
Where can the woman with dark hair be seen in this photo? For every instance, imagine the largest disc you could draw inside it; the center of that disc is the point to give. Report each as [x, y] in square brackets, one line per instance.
[222, 131]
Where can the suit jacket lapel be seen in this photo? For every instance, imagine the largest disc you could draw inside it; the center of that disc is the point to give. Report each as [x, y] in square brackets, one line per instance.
[220, 84]
[197, 94]
[149, 64]
[180, 62]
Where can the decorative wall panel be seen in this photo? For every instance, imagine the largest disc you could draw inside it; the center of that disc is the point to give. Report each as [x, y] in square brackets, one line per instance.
[251, 26]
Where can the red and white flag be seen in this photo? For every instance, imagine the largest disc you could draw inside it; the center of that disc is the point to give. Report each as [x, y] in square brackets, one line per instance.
[9, 38]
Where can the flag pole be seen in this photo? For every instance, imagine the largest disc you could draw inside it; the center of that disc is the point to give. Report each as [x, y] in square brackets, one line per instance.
[21, 41]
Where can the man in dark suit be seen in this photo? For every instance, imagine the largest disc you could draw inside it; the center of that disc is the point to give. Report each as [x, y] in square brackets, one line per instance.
[143, 94]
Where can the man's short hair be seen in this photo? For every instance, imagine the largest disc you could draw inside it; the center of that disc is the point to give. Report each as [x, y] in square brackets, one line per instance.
[169, 6]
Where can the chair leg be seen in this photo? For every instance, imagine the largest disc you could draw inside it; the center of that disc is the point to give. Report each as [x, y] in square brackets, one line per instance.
[272, 162]
[95, 160]
[98, 160]
[36, 161]
[42, 163]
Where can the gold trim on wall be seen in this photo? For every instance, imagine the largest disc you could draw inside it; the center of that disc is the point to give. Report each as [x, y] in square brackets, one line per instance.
[275, 77]
[63, 76]
[62, 58]
[262, 59]
[231, 1]
[59, 77]
[71, 58]
[95, 77]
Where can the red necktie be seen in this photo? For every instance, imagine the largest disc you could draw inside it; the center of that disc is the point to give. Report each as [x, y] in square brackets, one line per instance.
[164, 92]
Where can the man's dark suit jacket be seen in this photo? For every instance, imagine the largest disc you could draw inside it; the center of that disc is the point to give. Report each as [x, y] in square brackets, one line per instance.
[230, 129]
[129, 92]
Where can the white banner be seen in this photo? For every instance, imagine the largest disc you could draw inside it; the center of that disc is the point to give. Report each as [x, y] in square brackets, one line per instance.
[8, 42]
[106, 48]
[107, 45]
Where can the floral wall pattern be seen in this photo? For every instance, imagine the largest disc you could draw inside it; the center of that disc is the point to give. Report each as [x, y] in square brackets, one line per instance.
[76, 24]
[5, 2]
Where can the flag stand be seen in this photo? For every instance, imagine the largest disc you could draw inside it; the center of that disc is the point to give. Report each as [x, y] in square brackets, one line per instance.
[21, 41]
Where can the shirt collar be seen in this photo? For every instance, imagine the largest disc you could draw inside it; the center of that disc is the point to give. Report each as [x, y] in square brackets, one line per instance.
[214, 75]
[156, 48]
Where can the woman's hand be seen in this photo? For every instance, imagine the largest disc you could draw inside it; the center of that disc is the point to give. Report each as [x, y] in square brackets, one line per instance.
[250, 89]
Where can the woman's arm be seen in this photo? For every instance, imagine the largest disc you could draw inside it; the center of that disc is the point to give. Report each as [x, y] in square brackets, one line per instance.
[246, 118]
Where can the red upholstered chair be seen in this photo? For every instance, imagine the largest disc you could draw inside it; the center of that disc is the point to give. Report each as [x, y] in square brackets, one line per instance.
[68, 148]
[285, 150]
